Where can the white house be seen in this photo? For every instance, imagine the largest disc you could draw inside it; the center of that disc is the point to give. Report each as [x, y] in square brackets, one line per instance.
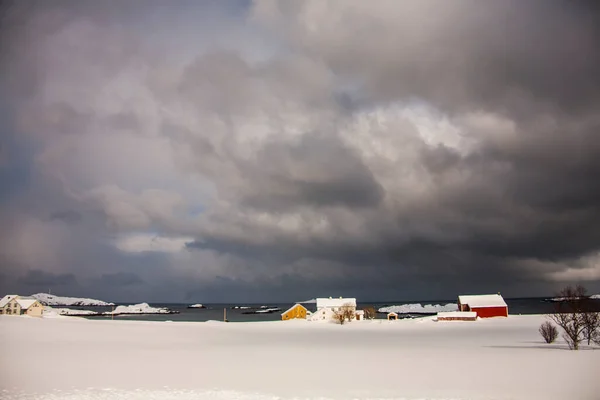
[13, 304]
[326, 307]
[4, 308]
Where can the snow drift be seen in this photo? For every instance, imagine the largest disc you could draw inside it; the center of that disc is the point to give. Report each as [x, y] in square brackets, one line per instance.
[418, 308]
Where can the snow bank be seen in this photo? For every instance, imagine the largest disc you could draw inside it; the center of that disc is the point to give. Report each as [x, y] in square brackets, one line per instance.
[593, 297]
[51, 300]
[69, 311]
[142, 308]
[456, 314]
[417, 308]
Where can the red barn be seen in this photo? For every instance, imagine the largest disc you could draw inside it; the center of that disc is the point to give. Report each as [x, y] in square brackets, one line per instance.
[485, 305]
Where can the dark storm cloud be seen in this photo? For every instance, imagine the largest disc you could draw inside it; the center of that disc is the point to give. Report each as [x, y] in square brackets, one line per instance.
[41, 278]
[120, 279]
[318, 170]
[414, 147]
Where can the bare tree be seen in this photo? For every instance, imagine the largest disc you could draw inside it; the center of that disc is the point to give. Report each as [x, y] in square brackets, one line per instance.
[370, 312]
[591, 322]
[339, 316]
[349, 311]
[548, 332]
[569, 314]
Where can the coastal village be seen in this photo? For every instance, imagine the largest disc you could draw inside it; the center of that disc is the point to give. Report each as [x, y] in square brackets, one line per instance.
[469, 308]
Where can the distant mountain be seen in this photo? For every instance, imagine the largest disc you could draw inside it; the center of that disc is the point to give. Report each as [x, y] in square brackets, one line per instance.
[51, 300]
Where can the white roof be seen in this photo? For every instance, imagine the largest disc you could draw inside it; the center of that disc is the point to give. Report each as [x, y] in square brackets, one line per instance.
[483, 300]
[26, 302]
[457, 314]
[360, 312]
[335, 302]
[292, 307]
[6, 299]
[392, 313]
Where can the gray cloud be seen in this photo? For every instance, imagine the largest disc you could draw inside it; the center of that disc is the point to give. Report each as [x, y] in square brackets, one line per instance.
[417, 148]
[68, 216]
[41, 278]
[120, 279]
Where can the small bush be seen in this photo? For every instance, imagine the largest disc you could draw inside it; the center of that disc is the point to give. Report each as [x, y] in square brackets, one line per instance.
[549, 332]
[339, 317]
[370, 312]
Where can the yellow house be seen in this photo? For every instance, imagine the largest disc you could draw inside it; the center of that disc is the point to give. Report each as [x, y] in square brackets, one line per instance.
[296, 311]
[17, 305]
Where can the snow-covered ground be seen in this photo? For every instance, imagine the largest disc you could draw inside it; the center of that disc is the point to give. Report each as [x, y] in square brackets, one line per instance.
[51, 300]
[490, 359]
[418, 308]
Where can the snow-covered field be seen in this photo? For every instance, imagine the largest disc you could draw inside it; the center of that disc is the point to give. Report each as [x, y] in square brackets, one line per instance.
[74, 358]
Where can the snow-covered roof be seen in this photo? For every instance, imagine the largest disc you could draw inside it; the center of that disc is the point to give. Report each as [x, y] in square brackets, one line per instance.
[360, 312]
[392, 313]
[6, 299]
[26, 302]
[457, 314]
[483, 300]
[335, 302]
[292, 307]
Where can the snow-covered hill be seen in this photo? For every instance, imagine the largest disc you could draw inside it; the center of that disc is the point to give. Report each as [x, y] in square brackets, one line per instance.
[142, 308]
[51, 300]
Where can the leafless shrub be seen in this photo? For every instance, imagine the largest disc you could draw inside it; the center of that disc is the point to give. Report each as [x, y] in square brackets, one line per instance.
[347, 312]
[370, 312]
[570, 314]
[591, 325]
[339, 317]
[549, 332]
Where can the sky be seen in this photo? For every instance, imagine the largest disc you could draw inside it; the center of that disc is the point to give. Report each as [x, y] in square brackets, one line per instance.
[240, 151]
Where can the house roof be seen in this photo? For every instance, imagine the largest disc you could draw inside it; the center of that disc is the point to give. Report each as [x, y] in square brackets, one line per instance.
[26, 302]
[482, 300]
[6, 299]
[292, 307]
[335, 302]
[392, 313]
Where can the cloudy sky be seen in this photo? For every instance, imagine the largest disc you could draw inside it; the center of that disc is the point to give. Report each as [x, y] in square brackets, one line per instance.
[229, 151]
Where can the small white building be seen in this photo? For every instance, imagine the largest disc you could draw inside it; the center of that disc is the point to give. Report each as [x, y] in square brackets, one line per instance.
[360, 315]
[13, 304]
[327, 307]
